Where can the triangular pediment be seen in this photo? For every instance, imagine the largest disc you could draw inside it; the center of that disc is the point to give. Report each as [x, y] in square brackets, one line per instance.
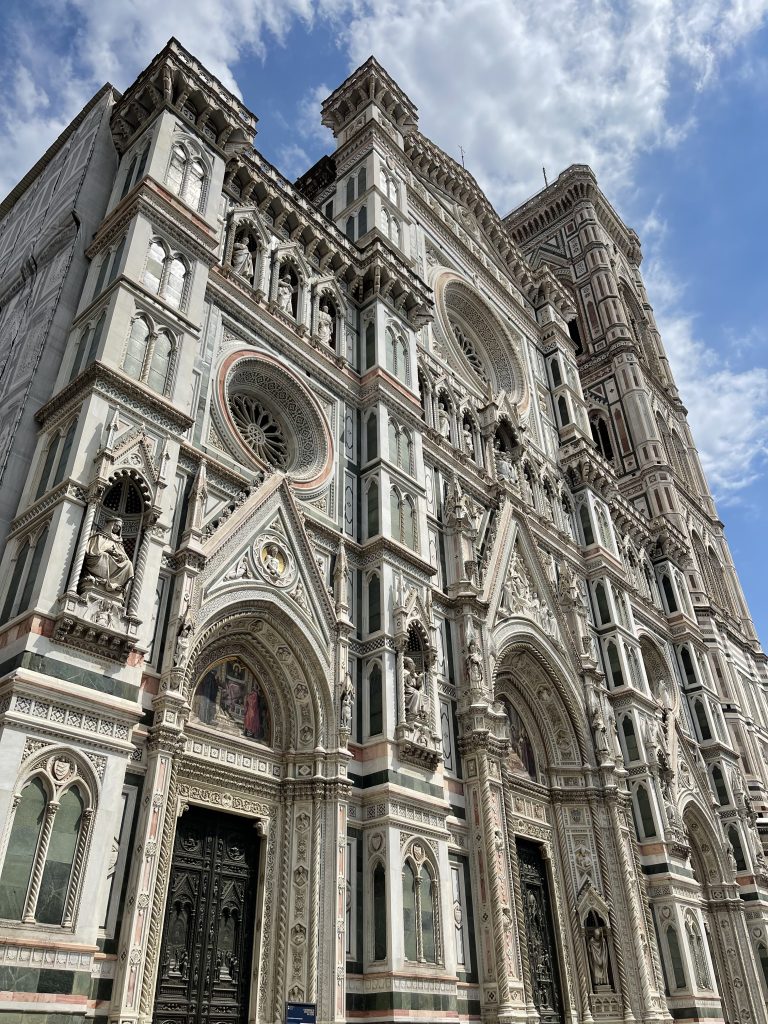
[262, 552]
[137, 450]
[516, 585]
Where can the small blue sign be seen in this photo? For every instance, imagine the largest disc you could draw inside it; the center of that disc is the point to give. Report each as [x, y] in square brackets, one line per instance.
[300, 1013]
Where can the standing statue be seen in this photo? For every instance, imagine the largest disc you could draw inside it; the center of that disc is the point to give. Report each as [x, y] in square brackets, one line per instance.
[413, 692]
[443, 421]
[183, 643]
[347, 698]
[324, 325]
[469, 441]
[106, 561]
[285, 295]
[242, 259]
[474, 663]
[600, 734]
[597, 948]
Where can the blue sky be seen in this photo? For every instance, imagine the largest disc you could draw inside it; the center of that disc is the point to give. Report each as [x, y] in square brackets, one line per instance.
[666, 99]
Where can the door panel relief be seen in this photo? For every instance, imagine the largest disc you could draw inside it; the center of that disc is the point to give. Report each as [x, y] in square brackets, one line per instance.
[539, 931]
[205, 955]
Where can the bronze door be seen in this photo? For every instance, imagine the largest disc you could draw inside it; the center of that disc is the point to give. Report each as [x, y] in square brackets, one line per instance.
[205, 956]
[539, 931]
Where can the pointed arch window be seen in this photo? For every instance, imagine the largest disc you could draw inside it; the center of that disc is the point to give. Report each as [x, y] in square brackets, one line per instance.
[630, 739]
[362, 221]
[646, 814]
[371, 437]
[150, 355]
[374, 603]
[362, 179]
[135, 171]
[586, 525]
[375, 701]
[26, 569]
[562, 411]
[719, 783]
[88, 346]
[400, 447]
[372, 509]
[701, 720]
[136, 349]
[57, 455]
[160, 362]
[614, 663]
[370, 345]
[39, 880]
[186, 176]
[603, 608]
[403, 518]
[669, 594]
[110, 266]
[397, 355]
[738, 850]
[690, 675]
[350, 189]
[601, 435]
[420, 913]
[675, 958]
[165, 274]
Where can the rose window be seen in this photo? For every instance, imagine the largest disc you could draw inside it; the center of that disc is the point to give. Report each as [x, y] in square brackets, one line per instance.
[259, 429]
[270, 418]
[469, 350]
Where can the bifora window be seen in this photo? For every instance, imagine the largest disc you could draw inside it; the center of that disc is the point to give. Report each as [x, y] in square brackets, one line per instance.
[43, 863]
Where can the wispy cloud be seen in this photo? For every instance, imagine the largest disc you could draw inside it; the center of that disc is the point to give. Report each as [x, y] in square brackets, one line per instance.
[492, 77]
[611, 83]
[727, 406]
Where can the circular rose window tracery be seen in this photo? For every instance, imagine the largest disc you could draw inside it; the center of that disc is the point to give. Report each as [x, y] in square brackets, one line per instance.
[272, 419]
[259, 429]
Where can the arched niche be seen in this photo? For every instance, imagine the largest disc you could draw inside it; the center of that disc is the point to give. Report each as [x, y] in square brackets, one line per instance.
[530, 673]
[661, 680]
[476, 342]
[278, 661]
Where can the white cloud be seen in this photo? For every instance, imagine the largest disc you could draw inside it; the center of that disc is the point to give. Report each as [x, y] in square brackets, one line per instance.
[727, 406]
[518, 85]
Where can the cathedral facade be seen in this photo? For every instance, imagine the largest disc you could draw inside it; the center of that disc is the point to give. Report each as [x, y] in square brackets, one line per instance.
[369, 643]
